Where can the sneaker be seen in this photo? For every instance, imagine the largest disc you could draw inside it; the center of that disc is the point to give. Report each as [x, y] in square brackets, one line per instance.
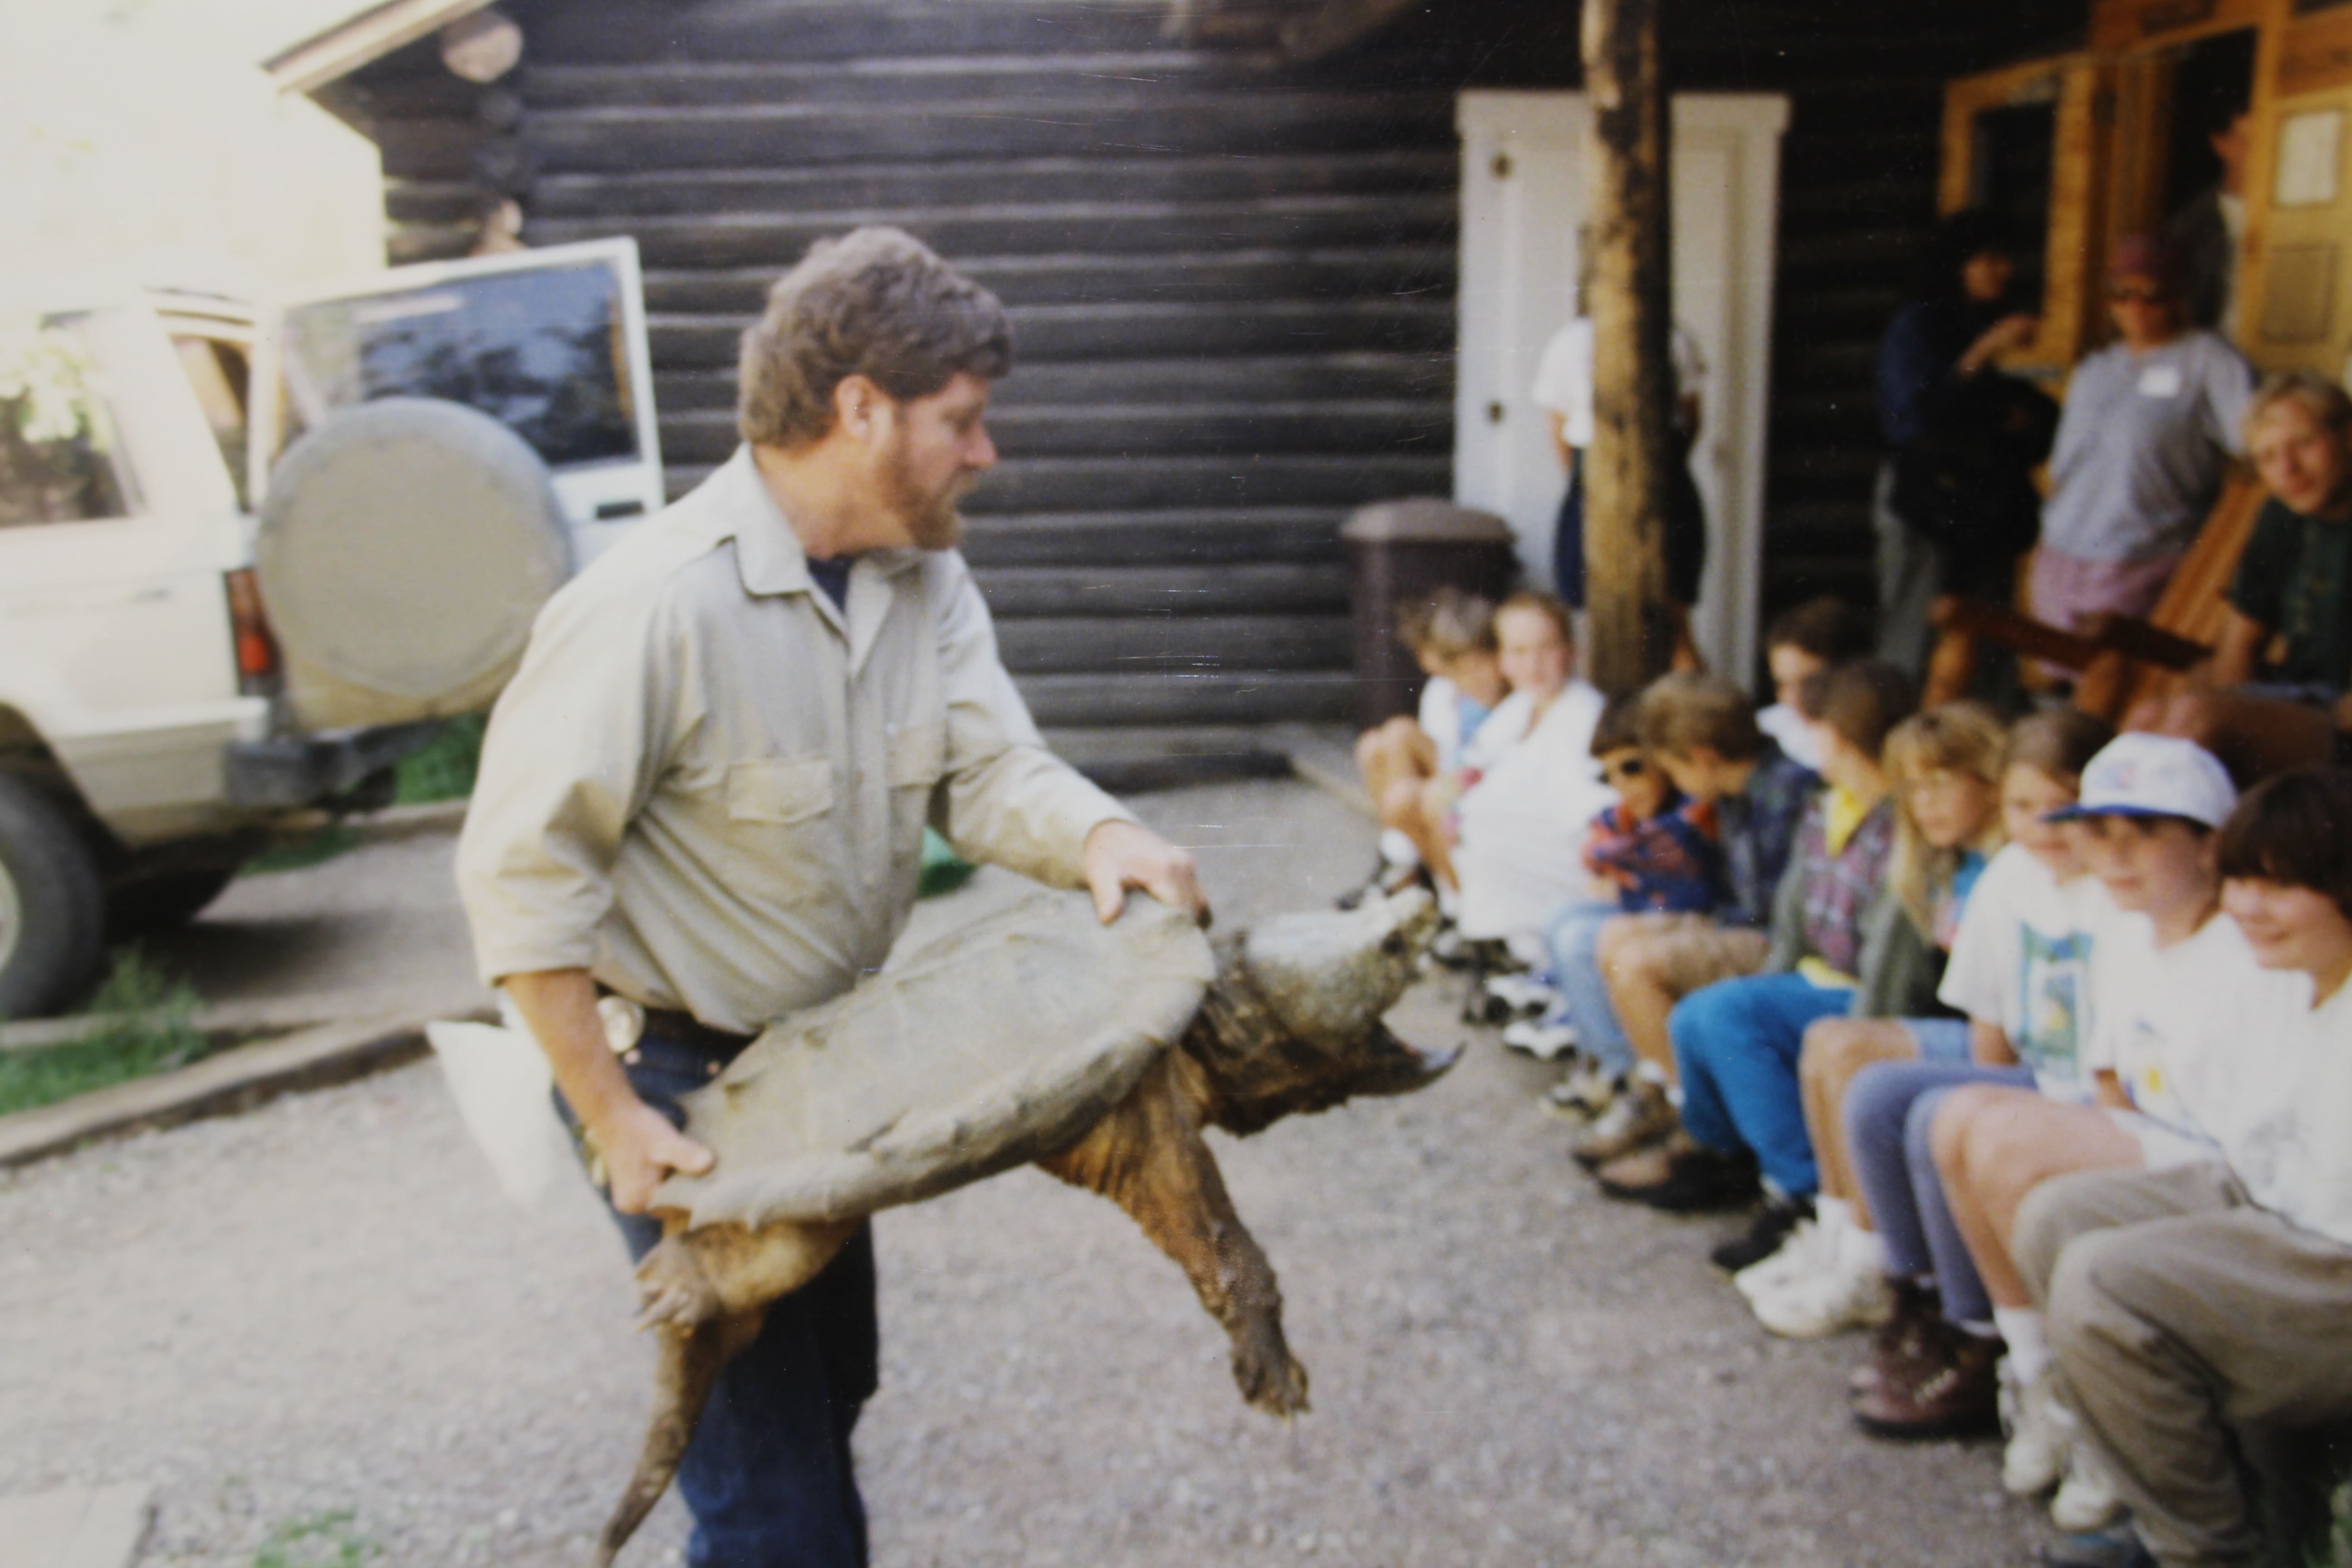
[1449, 949]
[1809, 1250]
[1771, 1227]
[1524, 996]
[1952, 1395]
[2087, 1500]
[1681, 1176]
[2041, 1433]
[1534, 1037]
[1815, 1306]
[1641, 1116]
[1904, 1340]
[1589, 1090]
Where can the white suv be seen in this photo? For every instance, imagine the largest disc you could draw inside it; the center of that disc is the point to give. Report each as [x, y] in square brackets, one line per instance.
[199, 640]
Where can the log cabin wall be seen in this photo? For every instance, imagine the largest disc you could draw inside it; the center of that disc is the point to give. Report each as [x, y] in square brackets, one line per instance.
[1233, 278]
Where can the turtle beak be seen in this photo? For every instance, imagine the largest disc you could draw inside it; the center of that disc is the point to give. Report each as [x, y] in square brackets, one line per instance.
[1393, 1066]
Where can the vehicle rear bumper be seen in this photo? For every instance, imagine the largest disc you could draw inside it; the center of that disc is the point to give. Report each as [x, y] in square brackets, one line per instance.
[304, 770]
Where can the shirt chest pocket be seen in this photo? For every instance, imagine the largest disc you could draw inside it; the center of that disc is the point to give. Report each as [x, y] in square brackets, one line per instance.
[782, 792]
[918, 754]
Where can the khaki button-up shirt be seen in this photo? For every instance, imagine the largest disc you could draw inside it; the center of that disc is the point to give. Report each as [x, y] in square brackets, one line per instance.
[709, 786]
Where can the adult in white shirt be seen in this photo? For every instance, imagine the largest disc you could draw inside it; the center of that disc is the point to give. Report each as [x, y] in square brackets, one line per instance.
[2187, 1301]
[1519, 828]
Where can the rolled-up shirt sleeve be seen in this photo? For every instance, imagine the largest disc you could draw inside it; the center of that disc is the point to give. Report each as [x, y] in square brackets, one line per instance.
[574, 748]
[1004, 798]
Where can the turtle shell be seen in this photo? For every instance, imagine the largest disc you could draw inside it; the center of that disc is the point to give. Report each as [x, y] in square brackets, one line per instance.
[999, 1044]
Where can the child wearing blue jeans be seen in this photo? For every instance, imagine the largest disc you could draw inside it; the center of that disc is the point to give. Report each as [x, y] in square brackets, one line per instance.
[1654, 850]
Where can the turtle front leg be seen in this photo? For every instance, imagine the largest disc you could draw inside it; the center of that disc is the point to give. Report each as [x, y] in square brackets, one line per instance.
[1147, 1156]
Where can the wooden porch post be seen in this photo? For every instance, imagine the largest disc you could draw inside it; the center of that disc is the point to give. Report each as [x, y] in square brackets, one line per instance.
[1629, 633]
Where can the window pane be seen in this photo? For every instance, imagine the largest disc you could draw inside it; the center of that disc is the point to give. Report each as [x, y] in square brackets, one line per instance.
[538, 350]
[55, 463]
[219, 373]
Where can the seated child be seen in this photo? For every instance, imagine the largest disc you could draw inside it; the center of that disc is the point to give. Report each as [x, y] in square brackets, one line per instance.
[2020, 971]
[1798, 645]
[1518, 844]
[2150, 805]
[2186, 1302]
[1701, 731]
[1839, 946]
[1413, 769]
[1651, 850]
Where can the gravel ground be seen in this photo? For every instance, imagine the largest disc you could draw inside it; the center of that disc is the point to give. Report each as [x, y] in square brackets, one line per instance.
[324, 1306]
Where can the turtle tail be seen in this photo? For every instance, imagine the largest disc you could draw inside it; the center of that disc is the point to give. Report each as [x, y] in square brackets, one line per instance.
[686, 1367]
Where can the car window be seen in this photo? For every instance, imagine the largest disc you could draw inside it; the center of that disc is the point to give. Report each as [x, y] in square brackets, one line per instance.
[220, 373]
[541, 349]
[56, 457]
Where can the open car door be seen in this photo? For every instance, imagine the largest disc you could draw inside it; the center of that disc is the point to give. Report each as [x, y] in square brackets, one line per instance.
[550, 344]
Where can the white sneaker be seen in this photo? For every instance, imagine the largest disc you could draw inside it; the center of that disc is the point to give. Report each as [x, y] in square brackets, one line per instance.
[1543, 1041]
[1522, 994]
[2087, 1501]
[2042, 1436]
[1816, 1305]
[1809, 1250]
[1588, 1090]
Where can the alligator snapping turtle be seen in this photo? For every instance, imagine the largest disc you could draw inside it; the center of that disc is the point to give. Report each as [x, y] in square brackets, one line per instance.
[1037, 1033]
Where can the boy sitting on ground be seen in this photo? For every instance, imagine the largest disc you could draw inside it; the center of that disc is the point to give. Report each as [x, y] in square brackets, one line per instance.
[1413, 769]
[1702, 730]
[1654, 850]
[1736, 1042]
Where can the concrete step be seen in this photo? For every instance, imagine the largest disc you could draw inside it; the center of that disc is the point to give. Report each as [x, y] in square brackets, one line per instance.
[1099, 591]
[1137, 643]
[1302, 535]
[586, 141]
[1142, 758]
[1048, 332]
[1423, 272]
[773, 240]
[1189, 696]
[936, 183]
[1226, 380]
[1151, 430]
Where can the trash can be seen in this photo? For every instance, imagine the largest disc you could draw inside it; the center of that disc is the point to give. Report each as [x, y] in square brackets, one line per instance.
[1398, 552]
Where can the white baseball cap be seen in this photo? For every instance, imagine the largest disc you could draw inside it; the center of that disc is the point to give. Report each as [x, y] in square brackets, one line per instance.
[2153, 775]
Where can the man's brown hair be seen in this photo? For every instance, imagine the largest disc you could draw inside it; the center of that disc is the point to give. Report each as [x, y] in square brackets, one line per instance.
[1827, 627]
[876, 302]
[1862, 700]
[1682, 712]
[2295, 829]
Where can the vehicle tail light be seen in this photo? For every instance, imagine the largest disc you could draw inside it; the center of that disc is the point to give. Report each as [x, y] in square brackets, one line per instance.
[257, 670]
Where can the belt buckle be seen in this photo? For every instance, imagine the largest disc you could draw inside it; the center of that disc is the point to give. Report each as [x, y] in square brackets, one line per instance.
[624, 1021]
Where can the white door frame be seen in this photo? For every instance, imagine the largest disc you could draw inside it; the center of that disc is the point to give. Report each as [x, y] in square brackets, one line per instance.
[1522, 197]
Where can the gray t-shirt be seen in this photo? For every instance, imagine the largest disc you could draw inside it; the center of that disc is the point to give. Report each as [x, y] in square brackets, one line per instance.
[2140, 448]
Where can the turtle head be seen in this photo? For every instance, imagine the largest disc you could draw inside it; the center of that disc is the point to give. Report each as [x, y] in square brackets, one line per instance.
[1299, 999]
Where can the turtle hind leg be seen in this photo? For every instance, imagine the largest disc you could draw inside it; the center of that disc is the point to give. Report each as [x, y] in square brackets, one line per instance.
[686, 1367]
[1147, 1156]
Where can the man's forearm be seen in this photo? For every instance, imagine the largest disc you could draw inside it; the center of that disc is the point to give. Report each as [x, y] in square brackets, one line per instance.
[560, 1006]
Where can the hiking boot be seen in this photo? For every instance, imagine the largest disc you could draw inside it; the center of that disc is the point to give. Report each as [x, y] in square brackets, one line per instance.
[1680, 1176]
[1641, 1116]
[1902, 1342]
[1772, 1227]
[1953, 1395]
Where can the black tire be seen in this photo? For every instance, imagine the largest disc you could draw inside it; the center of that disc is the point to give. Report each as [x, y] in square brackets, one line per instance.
[158, 904]
[52, 908]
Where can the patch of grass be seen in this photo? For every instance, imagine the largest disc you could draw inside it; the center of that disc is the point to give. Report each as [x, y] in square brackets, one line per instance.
[148, 1027]
[296, 853]
[319, 1541]
[444, 769]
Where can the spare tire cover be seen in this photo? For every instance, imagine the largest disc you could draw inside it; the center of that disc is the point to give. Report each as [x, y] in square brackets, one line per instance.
[404, 549]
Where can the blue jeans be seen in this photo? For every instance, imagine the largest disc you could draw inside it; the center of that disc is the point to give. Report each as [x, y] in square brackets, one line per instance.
[768, 1476]
[1571, 935]
[1888, 1109]
[1737, 1044]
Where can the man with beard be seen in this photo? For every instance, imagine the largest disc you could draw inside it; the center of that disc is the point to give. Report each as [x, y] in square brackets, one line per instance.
[701, 805]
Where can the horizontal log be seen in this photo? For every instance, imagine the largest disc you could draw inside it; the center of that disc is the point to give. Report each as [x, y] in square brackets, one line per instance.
[1197, 537]
[1151, 430]
[1031, 485]
[1121, 645]
[1257, 589]
[1234, 380]
[1189, 697]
